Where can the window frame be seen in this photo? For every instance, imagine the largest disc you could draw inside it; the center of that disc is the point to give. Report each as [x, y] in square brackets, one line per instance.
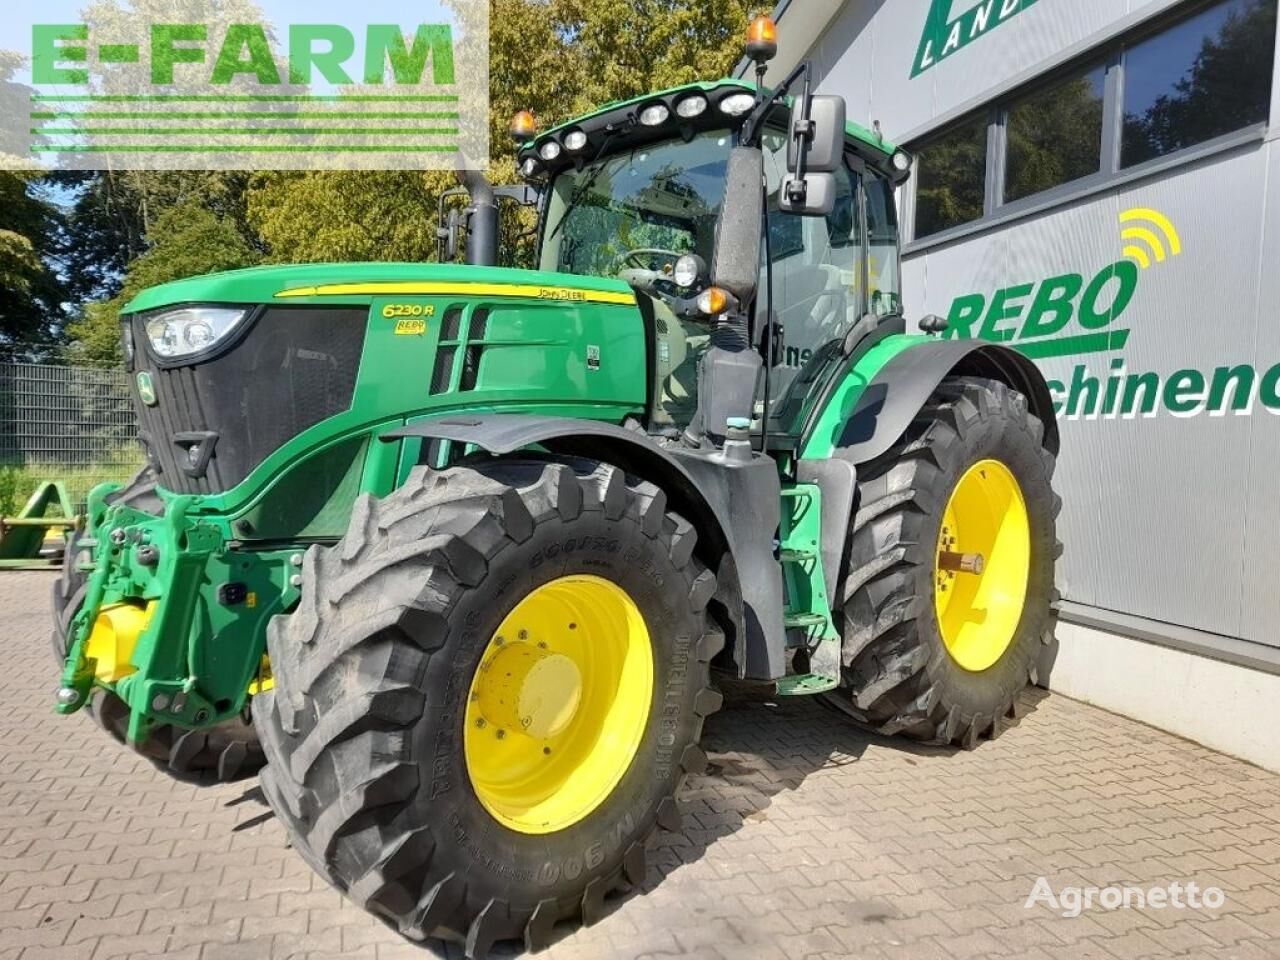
[1108, 54]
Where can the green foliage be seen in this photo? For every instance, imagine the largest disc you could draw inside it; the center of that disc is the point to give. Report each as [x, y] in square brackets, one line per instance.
[320, 216]
[17, 483]
[630, 46]
[30, 292]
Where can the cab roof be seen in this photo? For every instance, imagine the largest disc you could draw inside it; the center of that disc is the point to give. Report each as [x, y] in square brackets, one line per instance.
[609, 118]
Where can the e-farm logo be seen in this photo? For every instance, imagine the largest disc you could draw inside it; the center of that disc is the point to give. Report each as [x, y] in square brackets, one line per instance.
[943, 34]
[1067, 316]
[208, 85]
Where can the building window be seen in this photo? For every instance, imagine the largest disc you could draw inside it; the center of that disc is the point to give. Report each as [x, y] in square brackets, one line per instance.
[1205, 77]
[1054, 136]
[1162, 90]
[951, 173]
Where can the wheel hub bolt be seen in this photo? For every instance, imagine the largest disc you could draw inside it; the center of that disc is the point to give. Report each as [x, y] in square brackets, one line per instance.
[961, 562]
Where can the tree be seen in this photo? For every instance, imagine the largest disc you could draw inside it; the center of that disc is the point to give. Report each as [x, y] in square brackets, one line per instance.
[31, 294]
[341, 216]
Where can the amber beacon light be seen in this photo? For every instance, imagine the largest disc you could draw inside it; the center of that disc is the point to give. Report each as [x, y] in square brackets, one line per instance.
[523, 126]
[762, 39]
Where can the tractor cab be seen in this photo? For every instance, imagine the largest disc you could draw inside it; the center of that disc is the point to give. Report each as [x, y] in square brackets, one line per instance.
[640, 192]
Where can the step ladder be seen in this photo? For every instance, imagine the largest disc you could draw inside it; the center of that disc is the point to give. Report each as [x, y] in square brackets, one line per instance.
[807, 614]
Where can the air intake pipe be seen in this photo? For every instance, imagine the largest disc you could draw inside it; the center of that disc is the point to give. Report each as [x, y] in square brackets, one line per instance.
[482, 219]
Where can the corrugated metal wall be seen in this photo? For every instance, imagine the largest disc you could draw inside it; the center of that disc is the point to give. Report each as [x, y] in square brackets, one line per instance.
[1173, 518]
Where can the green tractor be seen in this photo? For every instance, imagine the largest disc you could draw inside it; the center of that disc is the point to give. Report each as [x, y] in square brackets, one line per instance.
[463, 553]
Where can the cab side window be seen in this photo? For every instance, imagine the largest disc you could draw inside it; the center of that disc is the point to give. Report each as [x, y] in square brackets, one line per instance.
[817, 269]
[884, 278]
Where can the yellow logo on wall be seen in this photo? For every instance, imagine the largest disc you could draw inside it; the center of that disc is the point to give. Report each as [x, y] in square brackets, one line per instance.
[1150, 236]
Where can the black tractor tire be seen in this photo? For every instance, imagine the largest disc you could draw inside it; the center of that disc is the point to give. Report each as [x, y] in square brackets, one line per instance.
[228, 751]
[364, 728]
[897, 669]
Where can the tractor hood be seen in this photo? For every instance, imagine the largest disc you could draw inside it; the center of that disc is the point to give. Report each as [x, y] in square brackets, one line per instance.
[358, 283]
[308, 356]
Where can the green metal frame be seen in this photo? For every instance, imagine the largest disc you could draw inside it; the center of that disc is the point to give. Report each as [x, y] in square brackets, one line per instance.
[23, 536]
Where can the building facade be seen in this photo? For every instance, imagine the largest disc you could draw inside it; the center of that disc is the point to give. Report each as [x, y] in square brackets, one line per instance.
[1097, 182]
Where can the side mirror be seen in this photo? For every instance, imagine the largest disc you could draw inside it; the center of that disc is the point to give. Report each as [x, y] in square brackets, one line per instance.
[815, 151]
[737, 257]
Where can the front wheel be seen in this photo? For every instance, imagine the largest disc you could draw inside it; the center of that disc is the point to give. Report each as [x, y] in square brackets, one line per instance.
[488, 696]
[950, 590]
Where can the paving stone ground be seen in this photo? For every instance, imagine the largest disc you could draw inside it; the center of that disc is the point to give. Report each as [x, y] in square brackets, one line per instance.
[806, 839]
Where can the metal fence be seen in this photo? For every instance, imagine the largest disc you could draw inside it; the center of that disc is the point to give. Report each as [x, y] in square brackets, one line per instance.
[74, 423]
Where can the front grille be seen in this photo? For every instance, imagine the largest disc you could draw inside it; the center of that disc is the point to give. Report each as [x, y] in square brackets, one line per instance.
[293, 368]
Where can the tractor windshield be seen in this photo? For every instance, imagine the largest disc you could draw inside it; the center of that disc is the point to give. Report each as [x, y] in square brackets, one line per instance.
[637, 210]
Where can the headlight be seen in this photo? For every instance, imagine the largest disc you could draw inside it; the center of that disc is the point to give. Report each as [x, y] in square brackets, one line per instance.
[179, 333]
[575, 140]
[736, 104]
[691, 106]
[529, 167]
[901, 161]
[549, 150]
[687, 270]
[654, 114]
[126, 341]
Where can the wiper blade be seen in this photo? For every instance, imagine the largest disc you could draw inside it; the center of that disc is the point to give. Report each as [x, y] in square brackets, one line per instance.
[581, 190]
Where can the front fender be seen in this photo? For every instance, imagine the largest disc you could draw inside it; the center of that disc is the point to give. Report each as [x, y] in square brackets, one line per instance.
[896, 392]
[500, 434]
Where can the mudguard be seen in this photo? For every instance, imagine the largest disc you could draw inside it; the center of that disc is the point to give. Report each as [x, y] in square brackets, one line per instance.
[706, 494]
[903, 385]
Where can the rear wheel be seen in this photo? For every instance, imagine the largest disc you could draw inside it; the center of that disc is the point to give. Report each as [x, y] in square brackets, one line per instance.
[227, 751]
[949, 596]
[488, 696]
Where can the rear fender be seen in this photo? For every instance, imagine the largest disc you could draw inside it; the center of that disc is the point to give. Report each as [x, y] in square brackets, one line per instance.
[896, 392]
[900, 374]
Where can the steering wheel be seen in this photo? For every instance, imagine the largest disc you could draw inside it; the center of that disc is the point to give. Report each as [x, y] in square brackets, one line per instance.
[626, 258]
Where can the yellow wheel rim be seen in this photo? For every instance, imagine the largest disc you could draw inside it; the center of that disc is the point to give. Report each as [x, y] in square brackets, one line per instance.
[982, 564]
[559, 704]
